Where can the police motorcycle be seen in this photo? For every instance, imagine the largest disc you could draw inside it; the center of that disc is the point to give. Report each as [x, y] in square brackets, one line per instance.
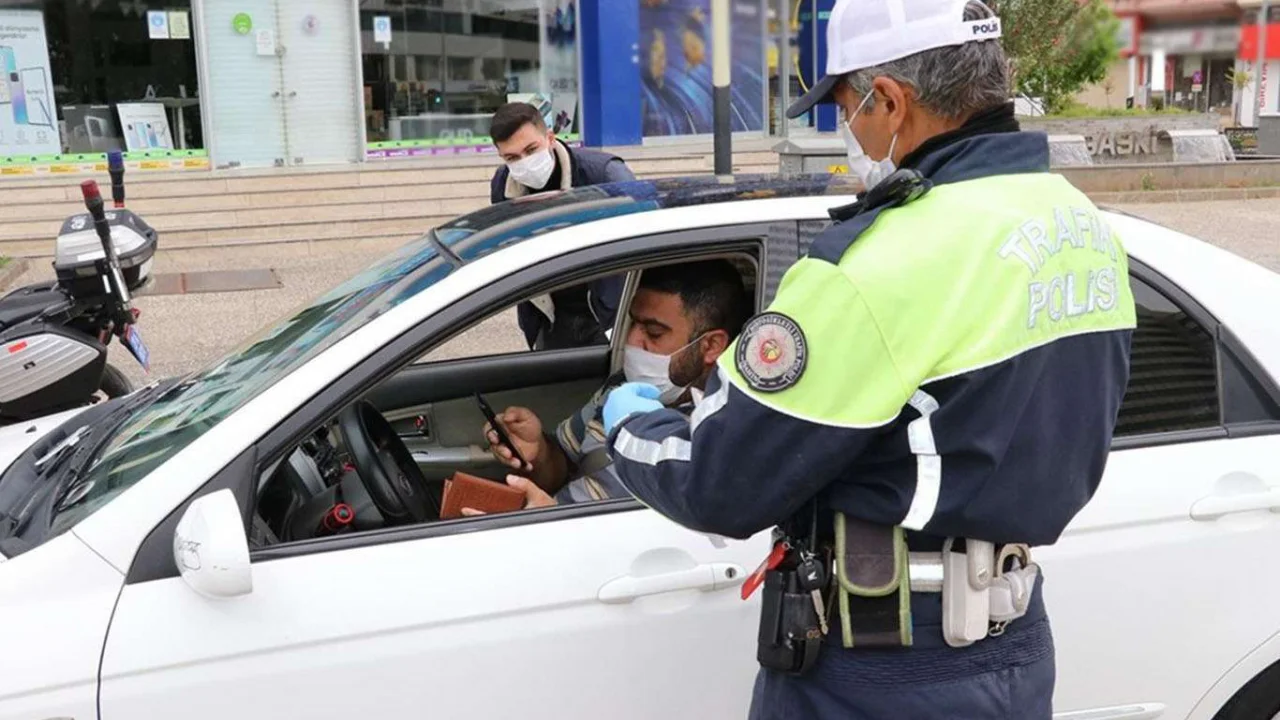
[54, 335]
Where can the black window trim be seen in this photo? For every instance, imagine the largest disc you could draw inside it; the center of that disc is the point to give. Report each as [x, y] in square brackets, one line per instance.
[1223, 338]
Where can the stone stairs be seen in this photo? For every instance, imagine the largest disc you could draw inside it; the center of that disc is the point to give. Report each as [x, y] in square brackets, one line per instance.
[387, 202]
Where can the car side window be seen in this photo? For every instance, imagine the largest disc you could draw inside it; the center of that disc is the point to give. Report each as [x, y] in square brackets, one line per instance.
[577, 316]
[498, 334]
[1173, 382]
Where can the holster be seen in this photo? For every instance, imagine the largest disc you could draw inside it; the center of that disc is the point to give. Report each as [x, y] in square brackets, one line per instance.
[873, 584]
[790, 633]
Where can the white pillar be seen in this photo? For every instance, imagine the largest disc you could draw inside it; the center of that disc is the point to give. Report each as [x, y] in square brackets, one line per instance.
[1133, 76]
[1157, 71]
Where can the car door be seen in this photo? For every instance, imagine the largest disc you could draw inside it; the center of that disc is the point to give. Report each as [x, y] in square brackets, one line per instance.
[594, 610]
[1154, 590]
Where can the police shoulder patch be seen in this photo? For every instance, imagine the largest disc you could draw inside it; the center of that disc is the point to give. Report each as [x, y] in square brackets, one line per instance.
[772, 352]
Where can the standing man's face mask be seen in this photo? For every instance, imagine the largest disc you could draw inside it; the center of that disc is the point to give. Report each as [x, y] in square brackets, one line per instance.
[534, 170]
[871, 172]
[640, 365]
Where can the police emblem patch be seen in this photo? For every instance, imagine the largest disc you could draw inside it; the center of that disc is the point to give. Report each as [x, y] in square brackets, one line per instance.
[772, 353]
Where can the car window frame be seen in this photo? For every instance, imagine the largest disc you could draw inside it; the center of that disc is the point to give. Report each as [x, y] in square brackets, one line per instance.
[154, 561]
[612, 257]
[1224, 340]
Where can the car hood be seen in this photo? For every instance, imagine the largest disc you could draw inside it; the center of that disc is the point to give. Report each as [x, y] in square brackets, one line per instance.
[16, 438]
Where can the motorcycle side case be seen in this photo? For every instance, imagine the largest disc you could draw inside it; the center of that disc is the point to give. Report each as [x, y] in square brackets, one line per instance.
[78, 248]
[46, 369]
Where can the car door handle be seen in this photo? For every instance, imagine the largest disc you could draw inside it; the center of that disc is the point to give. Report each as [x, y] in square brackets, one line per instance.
[711, 576]
[1215, 506]
[1139, 711]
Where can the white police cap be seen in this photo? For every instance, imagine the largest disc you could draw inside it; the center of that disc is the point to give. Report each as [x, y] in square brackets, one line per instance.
[867, 33]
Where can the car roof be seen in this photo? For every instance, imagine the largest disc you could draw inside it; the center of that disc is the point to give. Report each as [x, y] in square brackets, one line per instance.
[501, 225]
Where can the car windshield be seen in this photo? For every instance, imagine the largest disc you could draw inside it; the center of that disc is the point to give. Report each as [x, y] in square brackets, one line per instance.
[191, 407]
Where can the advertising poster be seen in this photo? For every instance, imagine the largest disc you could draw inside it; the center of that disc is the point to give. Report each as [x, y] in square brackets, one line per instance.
[91, 129]
[145, 126]
[559, 64]
[540, 101]
[28, 118]
[675, 66]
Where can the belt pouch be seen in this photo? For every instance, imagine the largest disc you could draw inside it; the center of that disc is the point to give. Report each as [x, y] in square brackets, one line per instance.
[874, 584]
[790, 634]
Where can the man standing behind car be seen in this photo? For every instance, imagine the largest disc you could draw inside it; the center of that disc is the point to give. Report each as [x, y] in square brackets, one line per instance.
[535, 161]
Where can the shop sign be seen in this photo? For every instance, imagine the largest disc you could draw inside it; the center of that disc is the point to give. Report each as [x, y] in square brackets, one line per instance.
[242, 23]
[1191, 41]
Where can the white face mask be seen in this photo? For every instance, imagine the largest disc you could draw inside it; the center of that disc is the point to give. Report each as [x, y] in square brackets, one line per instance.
[534, 171]
[640, 365]
[871, 172]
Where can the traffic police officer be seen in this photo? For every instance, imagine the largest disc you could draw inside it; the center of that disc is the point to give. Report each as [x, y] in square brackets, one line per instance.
[932, 392]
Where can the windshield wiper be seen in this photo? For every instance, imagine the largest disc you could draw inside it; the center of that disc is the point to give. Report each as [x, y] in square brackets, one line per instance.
[51, 460]
[104, 429]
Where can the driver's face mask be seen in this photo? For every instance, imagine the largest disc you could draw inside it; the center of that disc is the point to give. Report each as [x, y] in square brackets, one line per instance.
[871, 172]
[643, 366]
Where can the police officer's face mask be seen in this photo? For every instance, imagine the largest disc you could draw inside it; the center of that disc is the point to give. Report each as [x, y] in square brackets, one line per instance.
[640, 365]
[871, 172]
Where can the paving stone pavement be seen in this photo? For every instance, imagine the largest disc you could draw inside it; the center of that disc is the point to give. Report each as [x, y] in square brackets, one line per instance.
[187, 332]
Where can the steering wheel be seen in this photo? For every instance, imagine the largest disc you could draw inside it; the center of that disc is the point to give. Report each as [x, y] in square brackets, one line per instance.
[386, 468]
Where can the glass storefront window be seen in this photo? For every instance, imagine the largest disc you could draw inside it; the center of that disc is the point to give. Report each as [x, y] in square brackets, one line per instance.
[81, 79]
[432, 83]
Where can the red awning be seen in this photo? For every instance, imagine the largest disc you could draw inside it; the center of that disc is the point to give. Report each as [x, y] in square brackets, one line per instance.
[1249, 42]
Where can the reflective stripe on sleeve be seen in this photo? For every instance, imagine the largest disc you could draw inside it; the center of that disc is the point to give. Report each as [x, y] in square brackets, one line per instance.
[711, 404]
[650, 452]
[928, 463]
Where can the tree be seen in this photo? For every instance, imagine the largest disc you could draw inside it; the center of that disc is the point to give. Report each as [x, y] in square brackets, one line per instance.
[1239, 79]
[1058, 47]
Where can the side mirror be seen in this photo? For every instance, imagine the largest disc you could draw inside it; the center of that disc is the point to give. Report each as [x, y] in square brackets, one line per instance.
[211, 549]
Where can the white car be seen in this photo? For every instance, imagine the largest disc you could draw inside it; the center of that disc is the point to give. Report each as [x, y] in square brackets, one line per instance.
[164, 559]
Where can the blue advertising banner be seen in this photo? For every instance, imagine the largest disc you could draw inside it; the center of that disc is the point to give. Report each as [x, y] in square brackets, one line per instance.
[675, 66]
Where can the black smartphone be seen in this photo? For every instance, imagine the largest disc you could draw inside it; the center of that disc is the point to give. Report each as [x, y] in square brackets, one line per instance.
[497, 428]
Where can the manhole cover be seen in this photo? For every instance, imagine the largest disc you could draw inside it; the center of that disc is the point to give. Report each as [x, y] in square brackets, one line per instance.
[211, 281]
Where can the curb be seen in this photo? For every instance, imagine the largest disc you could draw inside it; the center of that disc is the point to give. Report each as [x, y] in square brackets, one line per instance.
[11, 271]
[1185, 195]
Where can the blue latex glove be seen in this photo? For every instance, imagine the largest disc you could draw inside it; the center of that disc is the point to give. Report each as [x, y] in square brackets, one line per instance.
[628, 399]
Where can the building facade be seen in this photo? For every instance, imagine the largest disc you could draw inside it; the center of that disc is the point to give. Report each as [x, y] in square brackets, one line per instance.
[1198, 55]
[200, 84]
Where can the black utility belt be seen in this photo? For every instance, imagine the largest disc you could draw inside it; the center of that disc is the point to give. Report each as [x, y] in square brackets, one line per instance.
[867, 576]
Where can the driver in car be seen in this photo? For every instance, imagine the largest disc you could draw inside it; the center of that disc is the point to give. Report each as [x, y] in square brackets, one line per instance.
[682, 318]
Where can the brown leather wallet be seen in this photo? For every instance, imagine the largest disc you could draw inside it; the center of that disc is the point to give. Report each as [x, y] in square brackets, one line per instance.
[463, 490]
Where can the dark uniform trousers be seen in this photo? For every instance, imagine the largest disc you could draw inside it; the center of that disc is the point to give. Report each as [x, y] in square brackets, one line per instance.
[1005, 677]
